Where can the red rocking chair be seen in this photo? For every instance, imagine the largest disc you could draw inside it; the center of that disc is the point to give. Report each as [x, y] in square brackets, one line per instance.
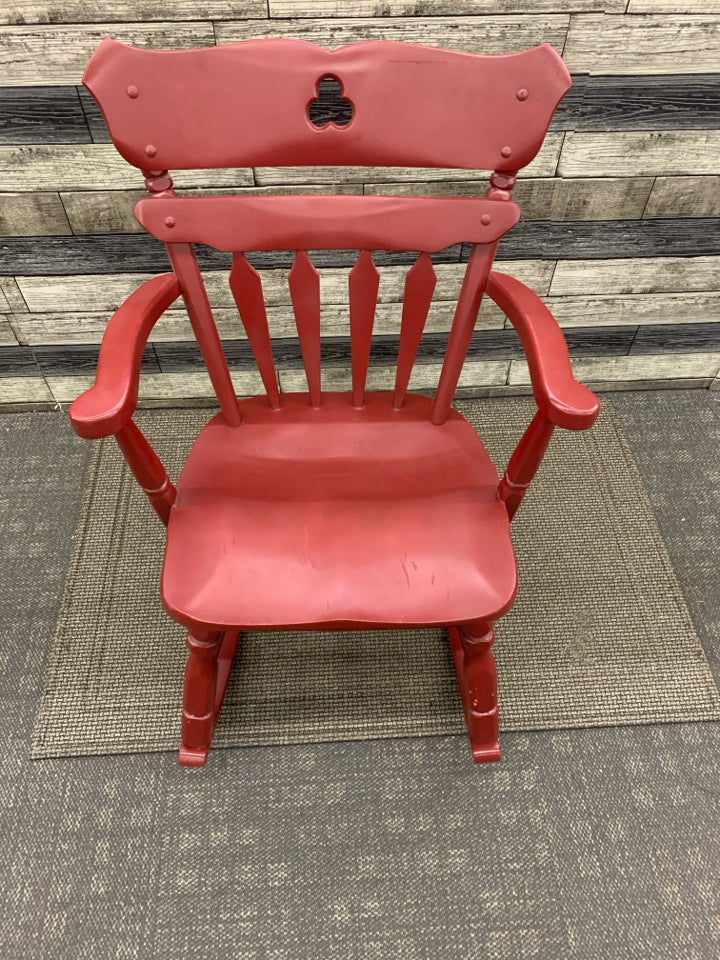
[329, 510]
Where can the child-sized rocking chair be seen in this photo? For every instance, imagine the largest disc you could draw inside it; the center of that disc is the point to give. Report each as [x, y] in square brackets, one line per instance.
[331, 510]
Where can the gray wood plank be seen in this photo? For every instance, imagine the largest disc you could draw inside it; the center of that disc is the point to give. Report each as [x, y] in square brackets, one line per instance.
[7, 334]
[113, 11]
[635, 275]
[620, 369]
[629, 153]
[684, 197]
[434, 8]
[85, 166]
[605, 103]
[483, 34]
[10, 295]
[42, 115]
[643, 45]
[552, 198]
[641, 309]
[32, 214]
[674, 6]
[688, 338]
[19, 391]
[58, 53]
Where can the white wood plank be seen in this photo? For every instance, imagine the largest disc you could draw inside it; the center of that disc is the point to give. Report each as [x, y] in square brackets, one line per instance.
[433, 8]
[478, 373]
[4, 305]
[643, 45]
[640, 153]
[10, 293]
[491, 35]
[667, 366]
[32, 215]
[58, 53]
[7, 335]
[112, 11]
[111, 211]
[684, 197]
[24, 390]
[674, 6]
[579, 311]
[635, 275]
[68, 166]
[551, 198]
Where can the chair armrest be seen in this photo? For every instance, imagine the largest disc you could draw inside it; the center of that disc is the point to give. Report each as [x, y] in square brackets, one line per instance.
[108, 406]
[560, 397]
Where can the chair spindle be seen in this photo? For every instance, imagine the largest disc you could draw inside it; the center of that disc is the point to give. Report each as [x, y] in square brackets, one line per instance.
[364, 282]
[247, 290]
[419, 288]
[304, 282]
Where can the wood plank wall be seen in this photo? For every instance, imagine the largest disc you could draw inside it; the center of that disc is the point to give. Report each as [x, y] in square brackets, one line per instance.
[621, 209]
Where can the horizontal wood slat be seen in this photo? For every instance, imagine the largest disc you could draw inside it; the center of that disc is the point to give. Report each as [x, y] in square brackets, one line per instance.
[58, 53]
[684, 197]
[636, 275]
[42, 115]
[433, 8]
[489, 35]
[651, 369]
[673, 6]
[663, 153]
[114, 11]
[30, 214]
[648, 44]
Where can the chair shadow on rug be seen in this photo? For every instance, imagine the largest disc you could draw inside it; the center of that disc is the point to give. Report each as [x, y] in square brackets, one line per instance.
[332, 510]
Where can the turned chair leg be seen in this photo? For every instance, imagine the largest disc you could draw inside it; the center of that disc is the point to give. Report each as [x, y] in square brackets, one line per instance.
[206, 676]
[477, 677]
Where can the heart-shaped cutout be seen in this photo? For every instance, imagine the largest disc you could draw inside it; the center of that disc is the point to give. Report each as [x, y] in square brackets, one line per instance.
[330, 107]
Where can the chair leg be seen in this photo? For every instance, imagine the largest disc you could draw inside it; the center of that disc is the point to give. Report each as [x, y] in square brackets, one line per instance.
[206, 676]
[477, 677]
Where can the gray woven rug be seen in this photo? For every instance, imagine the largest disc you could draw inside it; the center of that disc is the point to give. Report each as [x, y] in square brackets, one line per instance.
[600, 633]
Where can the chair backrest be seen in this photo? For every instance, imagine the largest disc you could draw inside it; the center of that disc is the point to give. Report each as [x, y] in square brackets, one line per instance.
[250, 104]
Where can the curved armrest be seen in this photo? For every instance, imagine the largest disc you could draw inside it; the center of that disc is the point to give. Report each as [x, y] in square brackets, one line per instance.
[108, 406]
[560, 397]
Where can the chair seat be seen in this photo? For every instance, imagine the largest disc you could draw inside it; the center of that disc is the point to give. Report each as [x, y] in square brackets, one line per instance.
[338, 517]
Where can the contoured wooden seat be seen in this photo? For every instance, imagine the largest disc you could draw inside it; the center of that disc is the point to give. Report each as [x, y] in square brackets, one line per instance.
[333, 510]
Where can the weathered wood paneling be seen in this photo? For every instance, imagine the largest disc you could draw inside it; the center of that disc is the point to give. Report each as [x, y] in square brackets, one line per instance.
[636, 275]
[663, 153]
[10, 294]
[643, 45]
[493, 35]
[435, 8]
[7, 334]
[58, 54]
[640, 309]
[30, 214]
[619, 369]
[684, 197]
[604, 103]
[673, 6]
[546, 199]
[87, 166]
[25, 12]
[22, 392]
[42, 115]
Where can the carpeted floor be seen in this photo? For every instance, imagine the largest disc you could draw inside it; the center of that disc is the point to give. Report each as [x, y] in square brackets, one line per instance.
[580, 844]
[600, 633]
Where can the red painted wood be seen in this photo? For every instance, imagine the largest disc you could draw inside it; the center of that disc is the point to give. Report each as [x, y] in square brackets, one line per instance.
[147, 468]
[338, 517]
[246, 286]
[419, 288]
[326, 222]
[477, 679]
[476, 274]
[199, 310]
[304, 282]
[246, 104]
[374, 509]
[559, 396]
[364, 282]
[109, 405]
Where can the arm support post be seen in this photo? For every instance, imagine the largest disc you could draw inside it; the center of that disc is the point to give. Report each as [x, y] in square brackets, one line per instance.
[148, 469]
[562, 401]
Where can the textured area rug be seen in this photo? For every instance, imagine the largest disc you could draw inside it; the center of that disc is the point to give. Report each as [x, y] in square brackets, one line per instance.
[599, 635]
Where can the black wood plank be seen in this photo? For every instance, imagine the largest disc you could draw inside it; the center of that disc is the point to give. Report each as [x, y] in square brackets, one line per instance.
[677, 338]
[18, 362]
[95, 120]
[41, 115]
[74, 359]
[686, 102]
